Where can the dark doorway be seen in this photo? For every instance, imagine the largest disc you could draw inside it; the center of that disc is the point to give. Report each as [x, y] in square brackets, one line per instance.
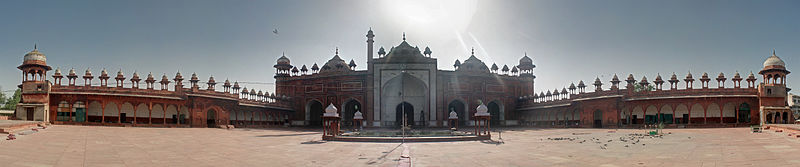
[183, 118]
[458, 107]
[123, 117]
[685, 119]
[315, 113]
[211, 118]
[409, 114]
[598, 119]
[785, 117]
[744, 112]
[80, 114]
[494, 111]
[350, 108]
[29, 113]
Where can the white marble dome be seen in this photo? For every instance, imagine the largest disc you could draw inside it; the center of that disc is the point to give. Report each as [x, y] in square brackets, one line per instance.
[774, 61]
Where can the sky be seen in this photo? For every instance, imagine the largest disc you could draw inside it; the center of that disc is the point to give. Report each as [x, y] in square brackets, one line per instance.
[568, 40]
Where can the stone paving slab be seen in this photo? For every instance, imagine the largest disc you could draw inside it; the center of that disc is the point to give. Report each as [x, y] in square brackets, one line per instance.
[64, 145]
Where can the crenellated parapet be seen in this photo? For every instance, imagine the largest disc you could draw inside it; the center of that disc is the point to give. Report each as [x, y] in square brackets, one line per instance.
[132, 89]
[644, 88]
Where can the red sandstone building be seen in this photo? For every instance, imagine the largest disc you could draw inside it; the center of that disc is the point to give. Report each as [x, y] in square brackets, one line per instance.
[117, 105]
[404, 82]
[679, 105]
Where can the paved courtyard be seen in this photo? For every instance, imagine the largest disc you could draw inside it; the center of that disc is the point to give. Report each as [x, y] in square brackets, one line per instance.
[63, 145]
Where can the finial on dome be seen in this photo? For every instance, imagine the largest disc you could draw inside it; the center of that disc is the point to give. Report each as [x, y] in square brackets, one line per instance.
[337, 50]
[473, 51]
[35, 46]
[404, 36]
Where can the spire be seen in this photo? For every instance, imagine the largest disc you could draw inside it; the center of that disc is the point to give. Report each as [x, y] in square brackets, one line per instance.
[473, 51]
[36, 47]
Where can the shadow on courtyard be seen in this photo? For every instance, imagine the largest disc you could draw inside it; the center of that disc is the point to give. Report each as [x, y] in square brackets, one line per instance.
[385, 153]
[314, 142]
[296, 134]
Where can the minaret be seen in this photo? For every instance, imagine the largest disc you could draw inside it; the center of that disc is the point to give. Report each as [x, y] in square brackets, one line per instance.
[370, 36]
[34, 105]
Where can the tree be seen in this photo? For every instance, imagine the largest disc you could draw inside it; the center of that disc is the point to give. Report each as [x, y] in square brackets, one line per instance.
[2, 97]
[12, 101]
[638, 88]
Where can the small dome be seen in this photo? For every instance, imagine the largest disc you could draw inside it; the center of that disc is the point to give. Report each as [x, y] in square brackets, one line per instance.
[482, 110]
[381, 51]
[352, 63]
[314, 67]
[427, 51]
[571, 86]
[194, 77]
[774, 61]
[505, 68]
[331, 111]
[211, 80]
[526, 63]
[284, 60]
[119, 73]
[358, 115]
[597, 81]
[58, 71]
[35, 57]
[88, 72]
[304, 69]
[453, 115]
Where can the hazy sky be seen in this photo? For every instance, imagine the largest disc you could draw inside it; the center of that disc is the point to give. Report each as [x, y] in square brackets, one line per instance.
[569, 40]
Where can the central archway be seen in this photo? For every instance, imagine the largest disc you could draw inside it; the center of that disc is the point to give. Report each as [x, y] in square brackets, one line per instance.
[409, 114]
[211, 118]
[404, 88]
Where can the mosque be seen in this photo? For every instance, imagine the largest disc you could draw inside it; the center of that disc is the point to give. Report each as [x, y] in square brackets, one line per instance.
[401, 84]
